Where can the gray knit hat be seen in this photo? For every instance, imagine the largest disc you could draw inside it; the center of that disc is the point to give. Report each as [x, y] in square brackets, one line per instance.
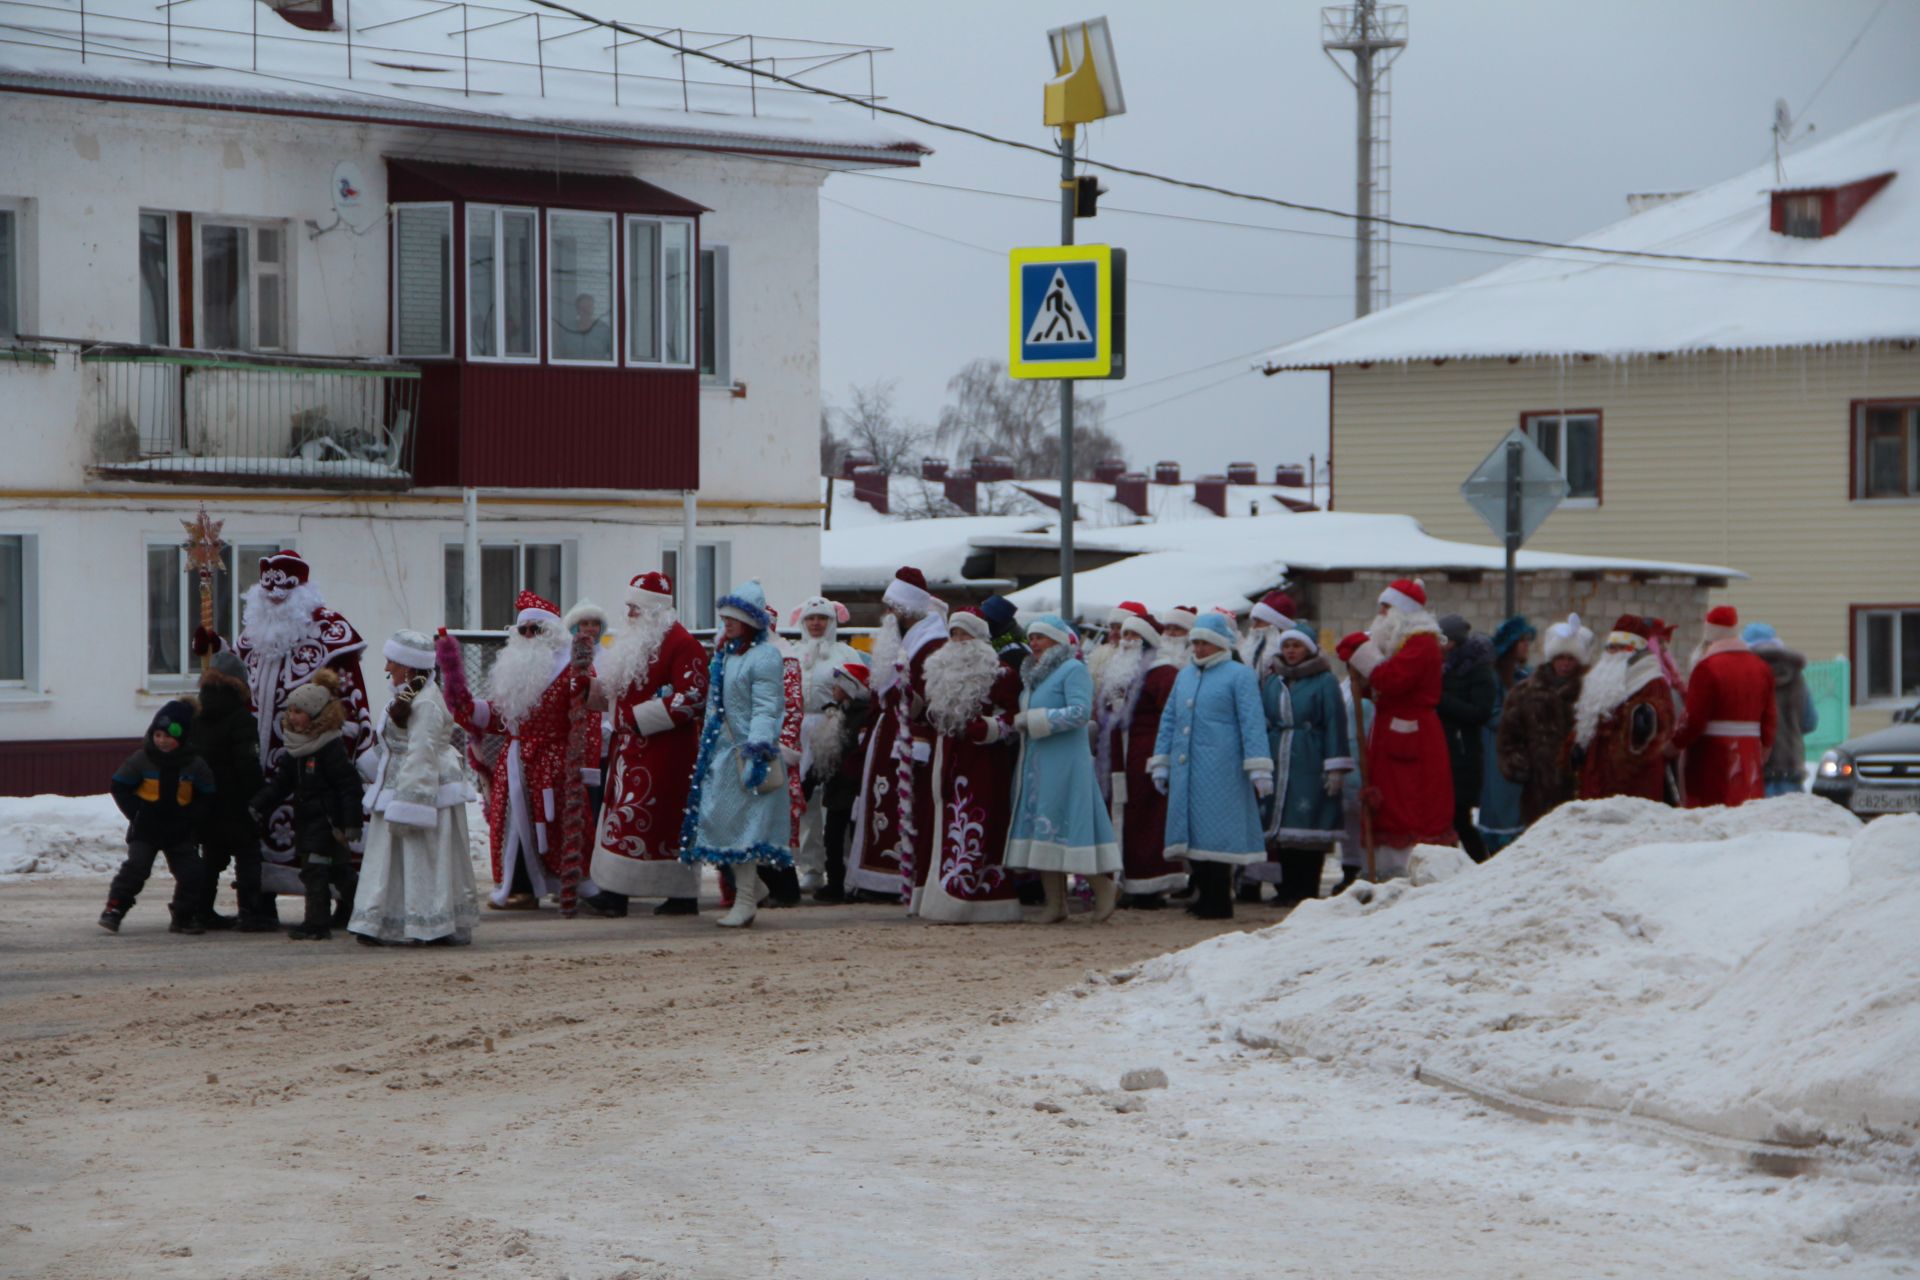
[228, 664]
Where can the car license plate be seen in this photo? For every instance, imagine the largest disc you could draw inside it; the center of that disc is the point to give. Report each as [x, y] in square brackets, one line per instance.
[1886, 801]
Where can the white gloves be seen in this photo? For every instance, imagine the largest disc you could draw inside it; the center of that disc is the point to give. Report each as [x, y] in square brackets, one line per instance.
[1159, 777]
[1263, 784]
[1335, 782]
[922, 751]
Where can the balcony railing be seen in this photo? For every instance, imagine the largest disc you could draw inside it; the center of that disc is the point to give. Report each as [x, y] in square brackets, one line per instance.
[169, 415]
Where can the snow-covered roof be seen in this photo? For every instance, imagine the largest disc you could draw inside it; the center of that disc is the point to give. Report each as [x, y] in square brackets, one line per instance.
[865, 555]
[1561, 303]
[1218, 562]
[1099, 507]
[501, 65]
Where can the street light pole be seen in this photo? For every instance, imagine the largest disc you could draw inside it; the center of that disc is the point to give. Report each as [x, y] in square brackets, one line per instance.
[1066, 393]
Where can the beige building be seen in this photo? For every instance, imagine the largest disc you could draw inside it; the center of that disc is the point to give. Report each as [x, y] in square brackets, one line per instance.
[1760, 411]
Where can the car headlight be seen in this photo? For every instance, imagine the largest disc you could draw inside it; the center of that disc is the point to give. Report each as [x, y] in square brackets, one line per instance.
[1835, 765]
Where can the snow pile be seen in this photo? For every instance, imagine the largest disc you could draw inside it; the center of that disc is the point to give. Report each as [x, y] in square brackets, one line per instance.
[1741, 975]
[61, 836]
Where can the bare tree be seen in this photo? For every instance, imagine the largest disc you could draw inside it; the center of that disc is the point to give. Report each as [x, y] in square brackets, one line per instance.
[1019, 419]
[832, 448]
[869, 423]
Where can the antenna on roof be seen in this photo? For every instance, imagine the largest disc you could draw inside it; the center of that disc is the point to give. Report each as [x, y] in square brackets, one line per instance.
[1783, 135]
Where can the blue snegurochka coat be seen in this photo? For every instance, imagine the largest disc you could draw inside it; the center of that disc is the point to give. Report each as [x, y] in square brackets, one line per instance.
[734, 824]
[1213, 739]
[1060, 822]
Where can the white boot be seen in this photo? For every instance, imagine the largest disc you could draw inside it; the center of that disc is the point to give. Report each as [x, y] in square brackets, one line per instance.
[1106, 895]
[746, 892]
[1054, 885]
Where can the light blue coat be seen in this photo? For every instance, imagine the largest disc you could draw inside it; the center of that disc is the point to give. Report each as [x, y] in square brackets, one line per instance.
[1060, 822]
[1213, 738]
[728, 822]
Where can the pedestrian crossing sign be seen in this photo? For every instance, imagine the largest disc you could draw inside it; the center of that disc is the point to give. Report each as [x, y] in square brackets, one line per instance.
[1069, 315]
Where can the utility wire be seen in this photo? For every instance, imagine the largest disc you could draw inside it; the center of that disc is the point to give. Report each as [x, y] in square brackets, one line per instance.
[1297, 206]
[1844, 55]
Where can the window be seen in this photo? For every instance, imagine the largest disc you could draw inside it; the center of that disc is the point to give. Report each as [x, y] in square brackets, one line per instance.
[659, 291]
[9, 272]
[173, 601]
[1886, 461]
[580, 287]
[19, 598]
[1886, 649]
[503, 321]
[507, 569]
[715, 313]
[1800, 215]
[156, 279]
[243, 286]
[1571, 442]
[711, 560]
[423, 280]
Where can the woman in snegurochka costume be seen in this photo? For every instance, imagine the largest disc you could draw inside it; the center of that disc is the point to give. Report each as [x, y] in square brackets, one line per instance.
[737, 811]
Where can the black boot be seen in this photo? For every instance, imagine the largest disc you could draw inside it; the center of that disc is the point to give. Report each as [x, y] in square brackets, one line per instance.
[678, 907]
[1214, 901]
[316, 927]
[343, 906]
[184, 921]
[606, 903]
[783, 886]
[110, 918]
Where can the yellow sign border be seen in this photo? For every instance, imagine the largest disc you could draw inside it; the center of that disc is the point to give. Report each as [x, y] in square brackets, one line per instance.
[1101, 365]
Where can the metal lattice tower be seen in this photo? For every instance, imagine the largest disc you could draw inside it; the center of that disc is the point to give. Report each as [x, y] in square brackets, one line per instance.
[1374, 34]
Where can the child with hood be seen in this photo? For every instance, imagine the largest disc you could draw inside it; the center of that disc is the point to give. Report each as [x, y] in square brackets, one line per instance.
[166, 792]
[319, 773]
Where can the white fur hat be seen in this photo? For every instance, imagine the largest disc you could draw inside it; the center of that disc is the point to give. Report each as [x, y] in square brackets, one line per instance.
[1570, 638]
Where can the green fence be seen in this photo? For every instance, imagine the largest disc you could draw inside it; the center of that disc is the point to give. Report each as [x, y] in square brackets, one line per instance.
[1831, 684]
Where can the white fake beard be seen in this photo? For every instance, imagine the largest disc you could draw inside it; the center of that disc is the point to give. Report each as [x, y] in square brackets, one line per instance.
[960, 677]
[1603, 689]
[1397, 626]
[886, 652]
[274, 629]
[1260, 648]
[1122, 672]
[523, 671]
[634, 648]
[1173, 653]
[816, 659]
[824, 741]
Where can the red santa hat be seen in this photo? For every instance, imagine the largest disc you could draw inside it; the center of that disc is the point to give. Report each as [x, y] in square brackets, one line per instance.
[971, 621]
[1142, 624]
[820, 607]
[649, 590]
[1276, 609]
[1409, 594]
[1722, 623]
[908, 591]
[530, 606]
[284, 568]
[1181, 615]
[852, 677]
[1570, 638]
[1629, 632]
[1118, 615]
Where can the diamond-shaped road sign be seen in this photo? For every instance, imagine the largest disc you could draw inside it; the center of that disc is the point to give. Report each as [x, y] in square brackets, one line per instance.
[1542, 487]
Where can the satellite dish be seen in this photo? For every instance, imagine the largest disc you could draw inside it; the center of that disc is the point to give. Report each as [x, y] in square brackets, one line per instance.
[349, 195]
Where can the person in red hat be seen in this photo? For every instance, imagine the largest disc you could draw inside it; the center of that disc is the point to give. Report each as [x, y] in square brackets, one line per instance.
[972, 698]
[1730, 717]
[1103, 653]
[1623, 718]
[287, 635]
[653, 681]
[530, 694]
[1127, 720]
[894, 821]
[1409, 775]
[1271, 615]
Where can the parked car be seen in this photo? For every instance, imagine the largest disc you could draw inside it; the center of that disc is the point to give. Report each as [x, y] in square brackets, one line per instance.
[1877, 772]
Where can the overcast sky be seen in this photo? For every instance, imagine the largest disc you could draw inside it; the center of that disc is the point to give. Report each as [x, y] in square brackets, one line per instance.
[1535, 118]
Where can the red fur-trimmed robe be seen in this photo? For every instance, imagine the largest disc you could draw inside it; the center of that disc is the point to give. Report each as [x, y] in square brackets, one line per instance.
[656, 739]
[1409, 777]
[1138, 809]
[1731, 718]
[873, 861]
[792, 687]
[1627, 758]
[961, 880]
[523, 817]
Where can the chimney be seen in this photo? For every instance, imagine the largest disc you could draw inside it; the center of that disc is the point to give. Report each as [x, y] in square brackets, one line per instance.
[870, 487]
[1166, 473]
[851, 462]
[1290, 475]
[986, 467]
[962, 492]
[1242, 473]
[1109, 470]
[1211, 493]
[933, 468]
[1130, 491]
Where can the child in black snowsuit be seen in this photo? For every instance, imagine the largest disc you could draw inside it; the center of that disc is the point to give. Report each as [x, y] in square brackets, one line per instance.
[319, 774]
[227, 737]
[166, 792]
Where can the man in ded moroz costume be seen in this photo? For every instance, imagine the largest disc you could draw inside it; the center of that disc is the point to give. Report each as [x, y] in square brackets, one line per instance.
[287, 634]
[653, 680]
[1138, 684]
[1730, 719]
[894, 822]
[529, 700]
[1409, 774]
[821, 654]
[1623, 718]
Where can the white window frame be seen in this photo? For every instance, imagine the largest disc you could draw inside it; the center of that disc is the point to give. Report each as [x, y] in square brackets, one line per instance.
[722, 577]
[283, 269]
[692, 361]
[171, 337]
[1558, 418]
[499, 285]
[28, 683]
[454, 266]
[245, 573]
[616, 335]
[1863, 677]
[569, 566]
[24, 257]
[722, 375]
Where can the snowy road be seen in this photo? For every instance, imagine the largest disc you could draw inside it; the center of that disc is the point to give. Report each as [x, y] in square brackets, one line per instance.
[838, 1094]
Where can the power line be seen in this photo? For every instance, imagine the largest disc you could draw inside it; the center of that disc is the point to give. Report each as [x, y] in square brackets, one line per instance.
[1297, 206]
[1844, 55]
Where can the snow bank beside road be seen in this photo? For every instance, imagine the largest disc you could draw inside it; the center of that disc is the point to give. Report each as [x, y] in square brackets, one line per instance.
[62, 836]
[1752, 974]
